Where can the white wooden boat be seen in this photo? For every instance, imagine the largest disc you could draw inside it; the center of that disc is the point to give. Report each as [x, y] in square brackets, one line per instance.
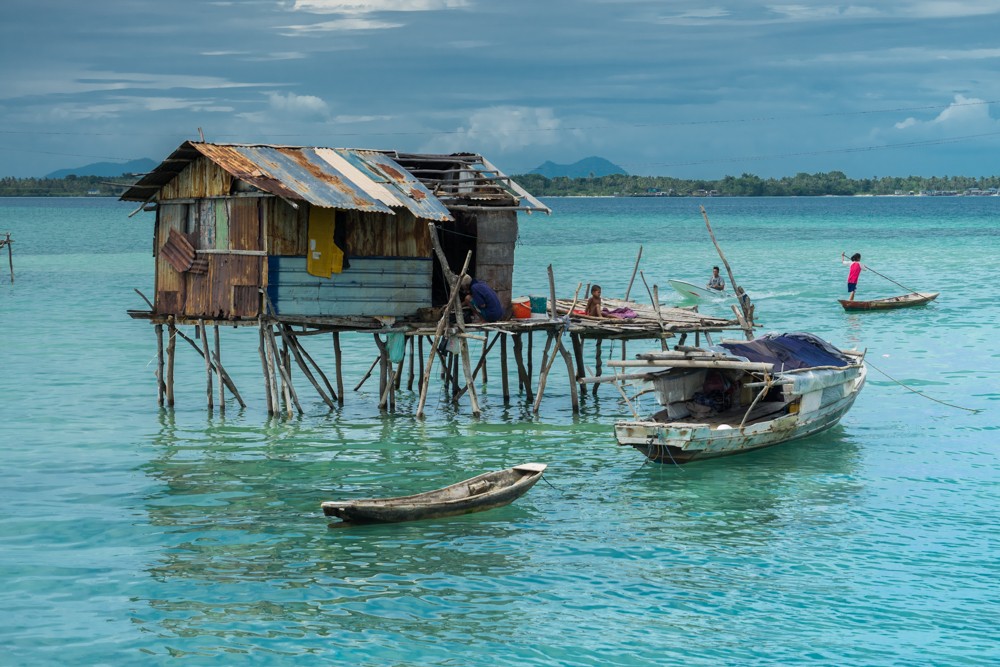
[692, 291]
[739, 397]
[483, 492]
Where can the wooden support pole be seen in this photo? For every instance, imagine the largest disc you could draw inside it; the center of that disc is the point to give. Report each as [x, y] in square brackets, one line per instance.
[597, 363]
[171, 351]
[369, 373]
[504, 380]
[531, 355]
[523, 374]
[269, 395]
[578, 355]
[439, 331]
[634, 270]
[160, 383]
[218, 369]
[481, 366]
[420, 356]
[409, 378]
[290, 343]
[544, 373]
[10, 257]
[338, 361]
[208, 362]
[573, 377]
[287, 390]
[312, 364]
[745, 304]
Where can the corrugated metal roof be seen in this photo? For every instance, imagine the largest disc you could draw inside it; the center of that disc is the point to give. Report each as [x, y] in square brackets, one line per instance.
[345, 179]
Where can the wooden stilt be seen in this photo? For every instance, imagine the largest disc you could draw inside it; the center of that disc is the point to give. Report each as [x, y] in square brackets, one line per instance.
[218, 369]
[573, 377]
[160, 383]
[482, 361]
[531, 355]
[578, 354]
[523, 372]
[314, 366]
[409, 379]
[272, 407]
[547, 360]
[338, 362]
[208, 362]
[481, 365]
[597, 363]
[287, 390]
[171, 350]
[439, 331]
[420, 356]
[291, 344]
[505, 382]
[369, 373]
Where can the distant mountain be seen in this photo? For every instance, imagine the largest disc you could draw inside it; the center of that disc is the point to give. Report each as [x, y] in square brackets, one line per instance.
[140, 166]
[585, 168]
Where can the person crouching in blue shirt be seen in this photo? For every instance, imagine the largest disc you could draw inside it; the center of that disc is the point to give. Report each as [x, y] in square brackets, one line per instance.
[482, 298]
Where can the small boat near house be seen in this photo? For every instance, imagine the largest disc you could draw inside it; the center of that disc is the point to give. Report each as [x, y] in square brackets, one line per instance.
[890, 303]
[692, 291]
[740, 396]
[483, 492]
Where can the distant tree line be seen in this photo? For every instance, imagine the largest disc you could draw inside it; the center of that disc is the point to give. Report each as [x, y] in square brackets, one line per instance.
[622, 185]
[71, 186]
[748, 185]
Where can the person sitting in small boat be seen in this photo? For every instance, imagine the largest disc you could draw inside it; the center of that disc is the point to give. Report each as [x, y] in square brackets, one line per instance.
[853, 273]
[716, 281]
[481, 298]
[594, 302]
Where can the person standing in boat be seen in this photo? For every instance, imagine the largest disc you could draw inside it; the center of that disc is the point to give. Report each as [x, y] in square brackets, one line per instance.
[716, 281]
[853, 273]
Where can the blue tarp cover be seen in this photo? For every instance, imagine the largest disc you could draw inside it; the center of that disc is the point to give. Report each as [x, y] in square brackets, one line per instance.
[789, 351]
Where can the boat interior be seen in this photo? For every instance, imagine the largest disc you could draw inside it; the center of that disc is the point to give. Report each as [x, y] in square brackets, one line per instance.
[719, 397]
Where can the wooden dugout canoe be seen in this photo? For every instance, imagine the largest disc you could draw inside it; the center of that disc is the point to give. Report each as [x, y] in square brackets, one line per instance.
[483, 492]
[904, 301]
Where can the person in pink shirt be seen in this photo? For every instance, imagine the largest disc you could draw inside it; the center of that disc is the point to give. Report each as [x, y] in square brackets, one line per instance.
[853, 273]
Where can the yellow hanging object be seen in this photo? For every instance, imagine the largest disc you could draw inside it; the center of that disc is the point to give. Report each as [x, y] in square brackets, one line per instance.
[324, 257]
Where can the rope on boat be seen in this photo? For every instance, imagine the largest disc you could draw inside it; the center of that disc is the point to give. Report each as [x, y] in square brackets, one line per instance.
[950, 405]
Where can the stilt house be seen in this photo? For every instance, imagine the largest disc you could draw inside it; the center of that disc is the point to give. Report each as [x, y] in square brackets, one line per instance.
[322, 235]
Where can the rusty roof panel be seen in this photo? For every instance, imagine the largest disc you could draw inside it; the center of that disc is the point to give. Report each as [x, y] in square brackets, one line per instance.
[413, 194]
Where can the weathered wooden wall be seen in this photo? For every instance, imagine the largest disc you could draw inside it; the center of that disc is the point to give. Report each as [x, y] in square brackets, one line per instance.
[202, 178]
[496, 234]
[371, 287]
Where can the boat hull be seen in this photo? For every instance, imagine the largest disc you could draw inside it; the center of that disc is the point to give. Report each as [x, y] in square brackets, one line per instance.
[480, 493]
[891, 303]
[679, 442]
[692, 291]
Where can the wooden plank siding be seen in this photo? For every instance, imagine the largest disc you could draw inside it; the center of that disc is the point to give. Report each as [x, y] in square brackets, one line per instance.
[371, 287]
[202, 178]
[169, 285]
[496, 234]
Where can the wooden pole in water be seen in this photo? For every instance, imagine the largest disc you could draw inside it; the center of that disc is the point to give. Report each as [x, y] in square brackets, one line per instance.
[338, 360]
[505, 382]
[171, 350]
[597, 363]
[208, 362]
[409, 378]
[218, 369]
[439, 331]
[10, 257]
[268, 394]
[744, 302]
[523, 374]
[160, 383]
[292, 344]
[634, 270]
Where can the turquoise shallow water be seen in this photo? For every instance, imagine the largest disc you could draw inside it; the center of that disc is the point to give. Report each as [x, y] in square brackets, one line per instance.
[131, 535]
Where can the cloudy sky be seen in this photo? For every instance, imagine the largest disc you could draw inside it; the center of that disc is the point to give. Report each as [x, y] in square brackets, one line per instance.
[685, 88]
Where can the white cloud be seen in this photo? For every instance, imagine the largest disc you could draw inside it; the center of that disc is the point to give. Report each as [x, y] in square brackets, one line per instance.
[64, 80]
[340, 25]
[503, 128]
[943, 9]
[372, 6]
[297, 105]
[964, 116]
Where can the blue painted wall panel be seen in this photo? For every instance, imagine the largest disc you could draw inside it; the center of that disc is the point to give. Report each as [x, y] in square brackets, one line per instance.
[382, 286]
